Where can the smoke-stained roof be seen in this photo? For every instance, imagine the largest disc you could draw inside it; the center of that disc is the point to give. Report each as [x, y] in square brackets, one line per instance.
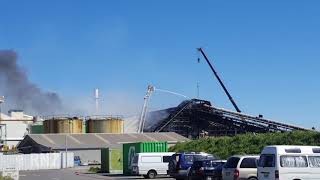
[95, 141]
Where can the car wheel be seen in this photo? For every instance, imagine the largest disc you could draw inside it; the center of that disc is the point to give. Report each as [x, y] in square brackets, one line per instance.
[252, 178]
[152, 174]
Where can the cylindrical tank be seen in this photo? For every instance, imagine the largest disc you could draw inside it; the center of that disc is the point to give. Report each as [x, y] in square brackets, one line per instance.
[105, 125]
[48, 126]
[63, 125]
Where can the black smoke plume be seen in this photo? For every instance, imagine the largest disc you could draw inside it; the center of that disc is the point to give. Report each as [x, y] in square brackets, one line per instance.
[22, 94]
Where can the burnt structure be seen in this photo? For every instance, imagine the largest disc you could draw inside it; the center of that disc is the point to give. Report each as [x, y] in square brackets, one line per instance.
[195, 118]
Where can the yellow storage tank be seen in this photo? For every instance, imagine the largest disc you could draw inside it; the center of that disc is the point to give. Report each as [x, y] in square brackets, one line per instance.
[63, 125]
[105, 125]
[48, 126]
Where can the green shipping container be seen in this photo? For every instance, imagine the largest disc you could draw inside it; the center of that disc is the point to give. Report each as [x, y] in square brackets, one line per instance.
[111, 160]
[37, 129]
[130, 149]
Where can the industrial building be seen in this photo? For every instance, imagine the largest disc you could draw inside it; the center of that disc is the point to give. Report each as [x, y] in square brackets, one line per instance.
[88, 146]
[14, 126]
[197, 118]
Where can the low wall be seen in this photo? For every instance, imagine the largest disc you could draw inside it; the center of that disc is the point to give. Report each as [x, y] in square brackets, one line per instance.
[23, 162]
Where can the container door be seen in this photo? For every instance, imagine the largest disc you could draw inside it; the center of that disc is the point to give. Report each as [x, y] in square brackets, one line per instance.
[129, 150]
[115, 161]
[105, 160]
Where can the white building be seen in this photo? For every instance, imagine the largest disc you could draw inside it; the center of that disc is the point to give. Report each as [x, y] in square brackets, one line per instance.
[14, 126]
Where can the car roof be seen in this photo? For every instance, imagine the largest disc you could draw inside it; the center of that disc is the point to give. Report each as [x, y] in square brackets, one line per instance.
[245, 156]
[155, 153]
[195, 153]
[282, 149]
[212, 160]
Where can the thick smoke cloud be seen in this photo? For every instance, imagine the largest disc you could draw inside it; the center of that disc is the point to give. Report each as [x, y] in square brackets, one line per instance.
[22, 94]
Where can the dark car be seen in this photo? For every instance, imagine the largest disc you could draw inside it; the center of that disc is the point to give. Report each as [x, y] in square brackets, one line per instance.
[180, 164]
[206, 170]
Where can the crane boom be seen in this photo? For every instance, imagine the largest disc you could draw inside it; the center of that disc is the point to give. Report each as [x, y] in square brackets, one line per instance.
[144, 111]
[220, 81]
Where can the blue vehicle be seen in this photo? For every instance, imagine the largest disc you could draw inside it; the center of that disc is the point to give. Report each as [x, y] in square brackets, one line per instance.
[180, 163]
[77, 161]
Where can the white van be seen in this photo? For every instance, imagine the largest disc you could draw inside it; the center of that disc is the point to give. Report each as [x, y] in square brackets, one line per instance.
[151, 164]
[289, 163]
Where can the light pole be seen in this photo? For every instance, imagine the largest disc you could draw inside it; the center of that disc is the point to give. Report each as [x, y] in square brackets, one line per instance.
[66, 150]
[1, 101]
[5, 133]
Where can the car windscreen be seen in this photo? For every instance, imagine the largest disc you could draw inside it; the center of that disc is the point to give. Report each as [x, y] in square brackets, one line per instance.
[267, 160]
[209, 163]
[215, 164]
[232, 162]
[188, 159]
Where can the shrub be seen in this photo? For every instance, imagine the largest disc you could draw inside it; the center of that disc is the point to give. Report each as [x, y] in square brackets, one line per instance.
[225, 147]
[94, 169]
[5, 178]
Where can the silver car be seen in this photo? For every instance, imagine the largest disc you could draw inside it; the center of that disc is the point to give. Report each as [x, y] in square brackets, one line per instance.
[240, 168]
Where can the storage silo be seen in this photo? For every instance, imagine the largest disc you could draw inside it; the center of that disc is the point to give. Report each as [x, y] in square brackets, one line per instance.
[105, 125]
[48, 126]
[63, 125]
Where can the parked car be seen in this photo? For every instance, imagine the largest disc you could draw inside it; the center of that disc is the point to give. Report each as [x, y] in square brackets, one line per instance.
[289, 162]
[180, 163]
[77, 161]
[206, 170]
[240, 168]
[150, 165]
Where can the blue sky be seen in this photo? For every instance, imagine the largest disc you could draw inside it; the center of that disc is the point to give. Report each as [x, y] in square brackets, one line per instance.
[267, 53]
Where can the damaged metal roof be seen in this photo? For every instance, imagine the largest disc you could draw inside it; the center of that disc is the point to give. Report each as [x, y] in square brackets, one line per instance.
[94, 140]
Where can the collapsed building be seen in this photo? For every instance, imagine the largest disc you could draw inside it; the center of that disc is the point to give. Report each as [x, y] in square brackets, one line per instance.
[197, 118]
